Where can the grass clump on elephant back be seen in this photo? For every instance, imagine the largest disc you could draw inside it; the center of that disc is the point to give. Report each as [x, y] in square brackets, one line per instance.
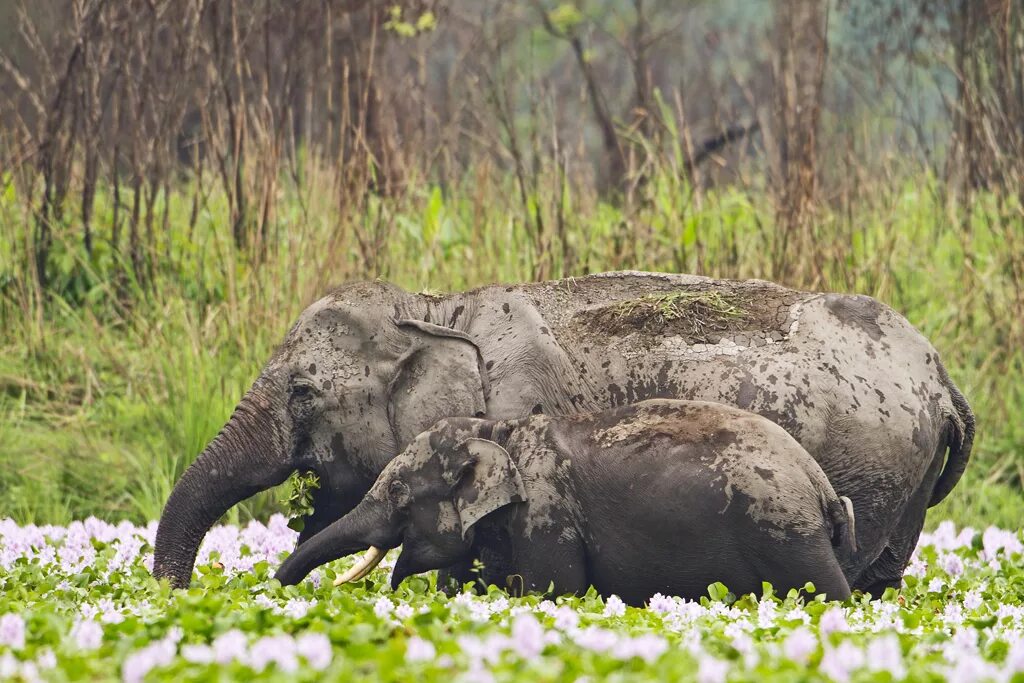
[698, 315]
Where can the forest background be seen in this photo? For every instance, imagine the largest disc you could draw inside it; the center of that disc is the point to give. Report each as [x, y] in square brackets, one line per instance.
[179, 178]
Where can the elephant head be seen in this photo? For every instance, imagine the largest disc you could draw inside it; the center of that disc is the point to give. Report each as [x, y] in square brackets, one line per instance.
[427, 500]
[356, 378]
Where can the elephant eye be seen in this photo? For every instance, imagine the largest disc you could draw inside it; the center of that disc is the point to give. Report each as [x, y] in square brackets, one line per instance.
[302, 391]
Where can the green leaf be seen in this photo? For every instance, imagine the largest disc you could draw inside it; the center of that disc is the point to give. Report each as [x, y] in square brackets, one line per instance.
[565, 17]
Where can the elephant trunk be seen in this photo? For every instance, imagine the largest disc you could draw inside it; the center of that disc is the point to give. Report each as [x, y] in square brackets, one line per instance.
[367, 525]
[249, 455]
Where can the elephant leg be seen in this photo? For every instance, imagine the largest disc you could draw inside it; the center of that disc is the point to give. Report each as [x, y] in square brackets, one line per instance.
[549, 562]
[887, 569]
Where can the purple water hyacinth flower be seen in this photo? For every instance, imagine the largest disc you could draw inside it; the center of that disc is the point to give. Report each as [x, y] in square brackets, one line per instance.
[198, 654]
[279, 650]
[799, 645]
[614, 606]
[711, 669]
[595, 639]
[46, 660]
[383, 607]
[9, 666]
[952, 564]
[87, 634]
[419, 650]
[527, 636]
[840, 662]
[660, 604]
[315, 648]
[833, 621]
[648, 647]
[566, 618]
[995, 540]
[12, 631]
[230, 646]
[141, 662]
[885, 654]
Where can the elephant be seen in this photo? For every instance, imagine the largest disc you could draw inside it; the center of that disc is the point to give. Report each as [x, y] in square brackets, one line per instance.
[661, 496]
[369, 366]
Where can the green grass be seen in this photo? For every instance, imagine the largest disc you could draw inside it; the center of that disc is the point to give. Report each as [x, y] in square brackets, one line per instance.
[112, 387]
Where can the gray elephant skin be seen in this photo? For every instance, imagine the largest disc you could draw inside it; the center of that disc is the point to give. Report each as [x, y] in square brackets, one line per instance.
[369, 366]
[657, 497]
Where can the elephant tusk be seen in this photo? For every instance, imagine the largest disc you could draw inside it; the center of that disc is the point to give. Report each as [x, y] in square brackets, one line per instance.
[363, 567]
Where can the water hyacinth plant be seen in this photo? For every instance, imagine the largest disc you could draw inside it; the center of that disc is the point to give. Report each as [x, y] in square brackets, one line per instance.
[78, 602]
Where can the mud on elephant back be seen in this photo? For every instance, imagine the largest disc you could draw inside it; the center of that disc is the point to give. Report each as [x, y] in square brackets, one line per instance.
[369, 366]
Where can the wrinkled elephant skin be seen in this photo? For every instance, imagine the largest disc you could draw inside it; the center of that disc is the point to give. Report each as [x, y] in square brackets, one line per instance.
[661, 496]
[369, 366]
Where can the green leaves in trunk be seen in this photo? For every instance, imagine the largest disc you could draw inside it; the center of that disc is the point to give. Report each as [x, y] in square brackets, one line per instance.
[298, 504]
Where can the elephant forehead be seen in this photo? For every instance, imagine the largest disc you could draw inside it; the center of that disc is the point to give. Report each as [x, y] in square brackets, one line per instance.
[417, 459]
[325, 363]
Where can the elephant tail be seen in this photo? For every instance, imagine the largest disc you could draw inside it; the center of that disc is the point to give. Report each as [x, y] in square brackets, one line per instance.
[959, 440]
[844, 525]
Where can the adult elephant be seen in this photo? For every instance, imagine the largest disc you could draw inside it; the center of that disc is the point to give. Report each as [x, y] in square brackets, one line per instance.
[369, 366]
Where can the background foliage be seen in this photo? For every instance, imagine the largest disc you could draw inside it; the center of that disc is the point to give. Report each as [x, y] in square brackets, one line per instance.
[168, 206]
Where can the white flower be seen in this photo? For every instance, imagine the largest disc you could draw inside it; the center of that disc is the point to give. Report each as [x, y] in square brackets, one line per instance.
[833, 621]
[799, 645]
[766, 612]
[952, 564]
[229, 646]
[660, 604]
[1014, 661]
[46, 659]
[527, 636]
[614, 607]
[404, 611]
[141, 662]
[839, 662]
[648, 647]
[383, 607]
[995, 540]
[197, 654]
[315, 648]
[595, 639]
[12, 631]
[972, 600]
[712, 670]
[279, 650]
[88, 634]
[419, 650]
[916, 568]
[566, 618]
[884, 654]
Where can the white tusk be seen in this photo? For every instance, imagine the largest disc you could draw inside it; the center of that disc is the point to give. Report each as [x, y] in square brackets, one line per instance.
[363, 567]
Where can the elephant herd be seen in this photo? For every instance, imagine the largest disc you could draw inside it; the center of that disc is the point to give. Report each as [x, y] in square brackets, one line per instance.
[634, 432]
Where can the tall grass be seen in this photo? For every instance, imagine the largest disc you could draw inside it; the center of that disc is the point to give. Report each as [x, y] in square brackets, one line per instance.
[109, 389]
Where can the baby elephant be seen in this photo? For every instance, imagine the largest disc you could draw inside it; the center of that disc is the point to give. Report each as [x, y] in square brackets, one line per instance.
[655, 497]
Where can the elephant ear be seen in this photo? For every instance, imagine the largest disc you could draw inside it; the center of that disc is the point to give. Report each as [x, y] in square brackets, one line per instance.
[487, 479]
[440, 375]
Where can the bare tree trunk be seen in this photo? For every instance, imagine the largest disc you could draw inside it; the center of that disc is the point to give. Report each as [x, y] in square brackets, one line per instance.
[801, 40]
